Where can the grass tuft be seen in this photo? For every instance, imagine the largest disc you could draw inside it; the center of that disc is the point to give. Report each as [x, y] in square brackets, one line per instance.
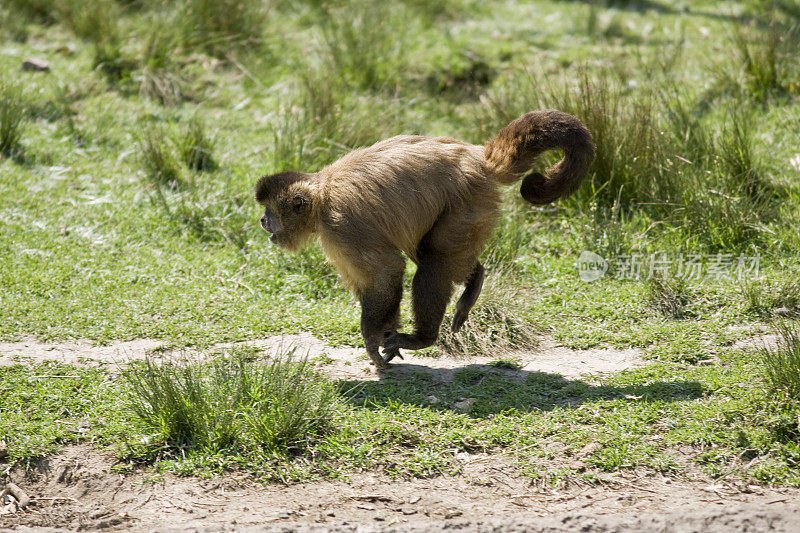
[220, 27]
[497, 323]
[157, 157]
[12, 119]
[767, 297]
[765, 51]
[357, 46]
[668, 296]
[196, 147]
[782, 363]
[234, 404]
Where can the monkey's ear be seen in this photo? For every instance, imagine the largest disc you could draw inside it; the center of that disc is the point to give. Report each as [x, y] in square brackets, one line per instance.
[300, 201]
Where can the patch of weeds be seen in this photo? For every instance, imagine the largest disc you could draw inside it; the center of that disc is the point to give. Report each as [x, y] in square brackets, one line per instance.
[196, 146]
[782, 363]
[357, 45]
[13, 115]
[765, 297]
[159, 76]
[233, 404]
[765, 55]
[156, 152]
[497, 323]
[221, 27]
[506, 363]
[325, 123]
[668, 296]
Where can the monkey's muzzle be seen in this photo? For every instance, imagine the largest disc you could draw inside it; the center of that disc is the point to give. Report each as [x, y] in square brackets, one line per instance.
[265, 224]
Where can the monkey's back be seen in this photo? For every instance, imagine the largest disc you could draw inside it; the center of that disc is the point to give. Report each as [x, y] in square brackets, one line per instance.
[401, 186]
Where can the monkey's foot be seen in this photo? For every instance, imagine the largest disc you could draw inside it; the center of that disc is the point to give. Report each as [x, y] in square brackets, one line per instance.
[391, 354]
[375, 357]
[407, 342]
[458, 319]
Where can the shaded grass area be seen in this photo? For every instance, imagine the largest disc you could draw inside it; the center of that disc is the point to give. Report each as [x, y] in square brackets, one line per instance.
[406, 427]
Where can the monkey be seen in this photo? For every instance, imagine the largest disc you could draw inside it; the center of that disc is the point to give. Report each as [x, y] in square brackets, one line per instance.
[434, 200]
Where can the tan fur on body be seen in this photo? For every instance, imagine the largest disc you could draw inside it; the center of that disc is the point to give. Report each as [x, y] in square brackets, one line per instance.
[433, 199]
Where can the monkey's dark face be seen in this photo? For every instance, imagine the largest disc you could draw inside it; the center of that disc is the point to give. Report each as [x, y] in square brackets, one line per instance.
[271, 223]
[287, 214]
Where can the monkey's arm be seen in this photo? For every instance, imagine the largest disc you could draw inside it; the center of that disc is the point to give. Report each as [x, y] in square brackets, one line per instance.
[472, 289]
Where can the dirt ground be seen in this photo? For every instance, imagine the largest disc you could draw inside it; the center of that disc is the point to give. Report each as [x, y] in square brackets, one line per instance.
[344, 363]
[78, 489]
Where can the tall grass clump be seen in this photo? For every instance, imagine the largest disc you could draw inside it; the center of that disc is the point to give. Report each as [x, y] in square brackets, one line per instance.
[324, 121]
[156, 153]
[158, 75]
[656, 158]
[765, 53]
[782, 363]
[726, 199]
[628, 166]
[668, 296]
[220, 27]
[233, 404]
[197, 147]
[765, 297]
[13, 115]
[362, 42]
[496, 325]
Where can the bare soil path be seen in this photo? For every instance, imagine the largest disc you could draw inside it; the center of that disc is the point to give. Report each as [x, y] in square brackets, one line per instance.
[77, 489]
[343, 363]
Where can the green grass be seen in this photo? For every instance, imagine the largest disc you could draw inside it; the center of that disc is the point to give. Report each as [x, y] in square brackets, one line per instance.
[12, 119]
[232, 404]
[783, 363]
[126, 198]
[221, 416]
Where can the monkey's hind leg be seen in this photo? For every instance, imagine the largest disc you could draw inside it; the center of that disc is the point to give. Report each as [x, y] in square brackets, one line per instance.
[431, 290]
[472, 289]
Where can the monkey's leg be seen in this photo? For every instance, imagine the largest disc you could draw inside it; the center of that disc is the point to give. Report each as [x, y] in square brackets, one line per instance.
[380, 311]
[392, 323]
[472, 290]
[431, 290]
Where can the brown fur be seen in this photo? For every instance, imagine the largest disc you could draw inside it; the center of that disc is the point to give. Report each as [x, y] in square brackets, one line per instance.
[434, 200]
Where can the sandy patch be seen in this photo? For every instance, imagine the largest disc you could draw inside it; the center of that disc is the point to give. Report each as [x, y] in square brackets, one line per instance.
[339, 362]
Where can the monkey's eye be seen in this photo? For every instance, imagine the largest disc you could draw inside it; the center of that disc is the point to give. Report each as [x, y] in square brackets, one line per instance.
[298, 202]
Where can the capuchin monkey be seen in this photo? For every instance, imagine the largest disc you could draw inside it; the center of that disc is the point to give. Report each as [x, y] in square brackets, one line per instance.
[432, 199]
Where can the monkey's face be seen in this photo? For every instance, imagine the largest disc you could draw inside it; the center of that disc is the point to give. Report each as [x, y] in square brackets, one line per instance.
[271, 223]
[288, 221]
[288, 213]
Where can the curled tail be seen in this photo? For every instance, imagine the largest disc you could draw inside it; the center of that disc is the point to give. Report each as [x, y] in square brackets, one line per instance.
[513, 152]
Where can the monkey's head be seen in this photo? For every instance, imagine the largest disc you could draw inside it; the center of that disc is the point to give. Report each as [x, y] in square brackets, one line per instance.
[288, 208]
